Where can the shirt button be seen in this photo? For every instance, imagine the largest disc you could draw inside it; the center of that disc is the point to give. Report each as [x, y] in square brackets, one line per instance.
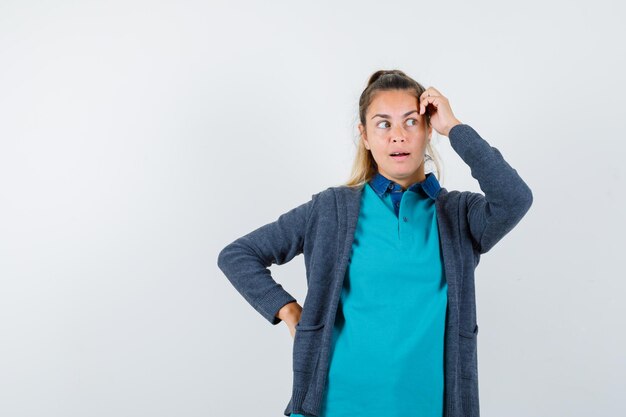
[405, 219]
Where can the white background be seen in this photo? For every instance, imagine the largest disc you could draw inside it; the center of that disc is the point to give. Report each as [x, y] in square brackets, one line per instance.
[138, 138]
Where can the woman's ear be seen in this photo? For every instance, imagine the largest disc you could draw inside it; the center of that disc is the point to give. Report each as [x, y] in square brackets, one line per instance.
[364, 136]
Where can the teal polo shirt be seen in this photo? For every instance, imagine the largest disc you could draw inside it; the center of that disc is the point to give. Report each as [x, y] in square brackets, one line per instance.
[387, 348]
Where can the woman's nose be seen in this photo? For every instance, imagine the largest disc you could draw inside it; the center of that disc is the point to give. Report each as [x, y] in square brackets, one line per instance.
[398, 134]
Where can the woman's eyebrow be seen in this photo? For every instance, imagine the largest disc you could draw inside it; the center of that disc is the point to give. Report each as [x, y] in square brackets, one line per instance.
[387, 116]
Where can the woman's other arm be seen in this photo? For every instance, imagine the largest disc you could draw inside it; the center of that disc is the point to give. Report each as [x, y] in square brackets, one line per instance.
[245, 261]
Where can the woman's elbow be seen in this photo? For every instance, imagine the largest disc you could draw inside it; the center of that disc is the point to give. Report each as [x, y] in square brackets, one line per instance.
[224, 258]
[527, 200]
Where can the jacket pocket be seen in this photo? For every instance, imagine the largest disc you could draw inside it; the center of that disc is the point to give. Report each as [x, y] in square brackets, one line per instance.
[306, 346]
[468, 355]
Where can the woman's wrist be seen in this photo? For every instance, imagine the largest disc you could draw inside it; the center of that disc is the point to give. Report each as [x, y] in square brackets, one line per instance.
[456, 122]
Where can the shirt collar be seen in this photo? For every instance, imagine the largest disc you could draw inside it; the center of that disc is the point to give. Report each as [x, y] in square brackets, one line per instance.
[383, 185]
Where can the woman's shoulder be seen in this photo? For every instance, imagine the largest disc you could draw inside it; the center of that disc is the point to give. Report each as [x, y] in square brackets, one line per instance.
[341, 189]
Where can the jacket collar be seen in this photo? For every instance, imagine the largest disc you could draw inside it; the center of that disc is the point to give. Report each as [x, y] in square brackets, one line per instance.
[383, 185]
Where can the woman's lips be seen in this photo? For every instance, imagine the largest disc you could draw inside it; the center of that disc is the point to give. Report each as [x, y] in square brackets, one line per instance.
[400, 157]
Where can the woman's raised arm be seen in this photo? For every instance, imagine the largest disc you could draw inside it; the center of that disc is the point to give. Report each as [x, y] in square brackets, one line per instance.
[507, 197]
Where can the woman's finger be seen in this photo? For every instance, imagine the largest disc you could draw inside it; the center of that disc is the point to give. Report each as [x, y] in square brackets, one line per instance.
[426, 97]
[429, 92]
[434, 91]
[434, 100]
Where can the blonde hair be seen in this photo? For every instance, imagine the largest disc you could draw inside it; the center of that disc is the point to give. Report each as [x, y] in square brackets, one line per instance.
[364, 166]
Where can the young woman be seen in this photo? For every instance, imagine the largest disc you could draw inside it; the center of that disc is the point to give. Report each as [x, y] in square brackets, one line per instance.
[388, 326]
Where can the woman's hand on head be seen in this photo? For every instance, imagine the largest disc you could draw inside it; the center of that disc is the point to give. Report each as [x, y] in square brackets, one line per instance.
[442, 118]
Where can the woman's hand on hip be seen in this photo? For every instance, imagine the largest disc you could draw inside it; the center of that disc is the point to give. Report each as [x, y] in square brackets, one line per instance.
[290, 314]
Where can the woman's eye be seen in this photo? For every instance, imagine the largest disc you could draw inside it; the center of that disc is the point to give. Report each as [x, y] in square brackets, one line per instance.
[411, 122]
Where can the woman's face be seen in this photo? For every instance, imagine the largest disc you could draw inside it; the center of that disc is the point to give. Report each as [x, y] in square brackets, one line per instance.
[394, 125]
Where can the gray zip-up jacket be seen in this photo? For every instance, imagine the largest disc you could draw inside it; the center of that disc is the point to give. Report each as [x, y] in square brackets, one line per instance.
[469, 223]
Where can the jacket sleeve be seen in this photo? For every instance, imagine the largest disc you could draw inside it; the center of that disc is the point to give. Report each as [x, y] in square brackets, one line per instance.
[507, 197]
[245, 261]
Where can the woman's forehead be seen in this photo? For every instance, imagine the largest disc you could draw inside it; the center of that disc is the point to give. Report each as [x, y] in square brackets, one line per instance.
[393, 103]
